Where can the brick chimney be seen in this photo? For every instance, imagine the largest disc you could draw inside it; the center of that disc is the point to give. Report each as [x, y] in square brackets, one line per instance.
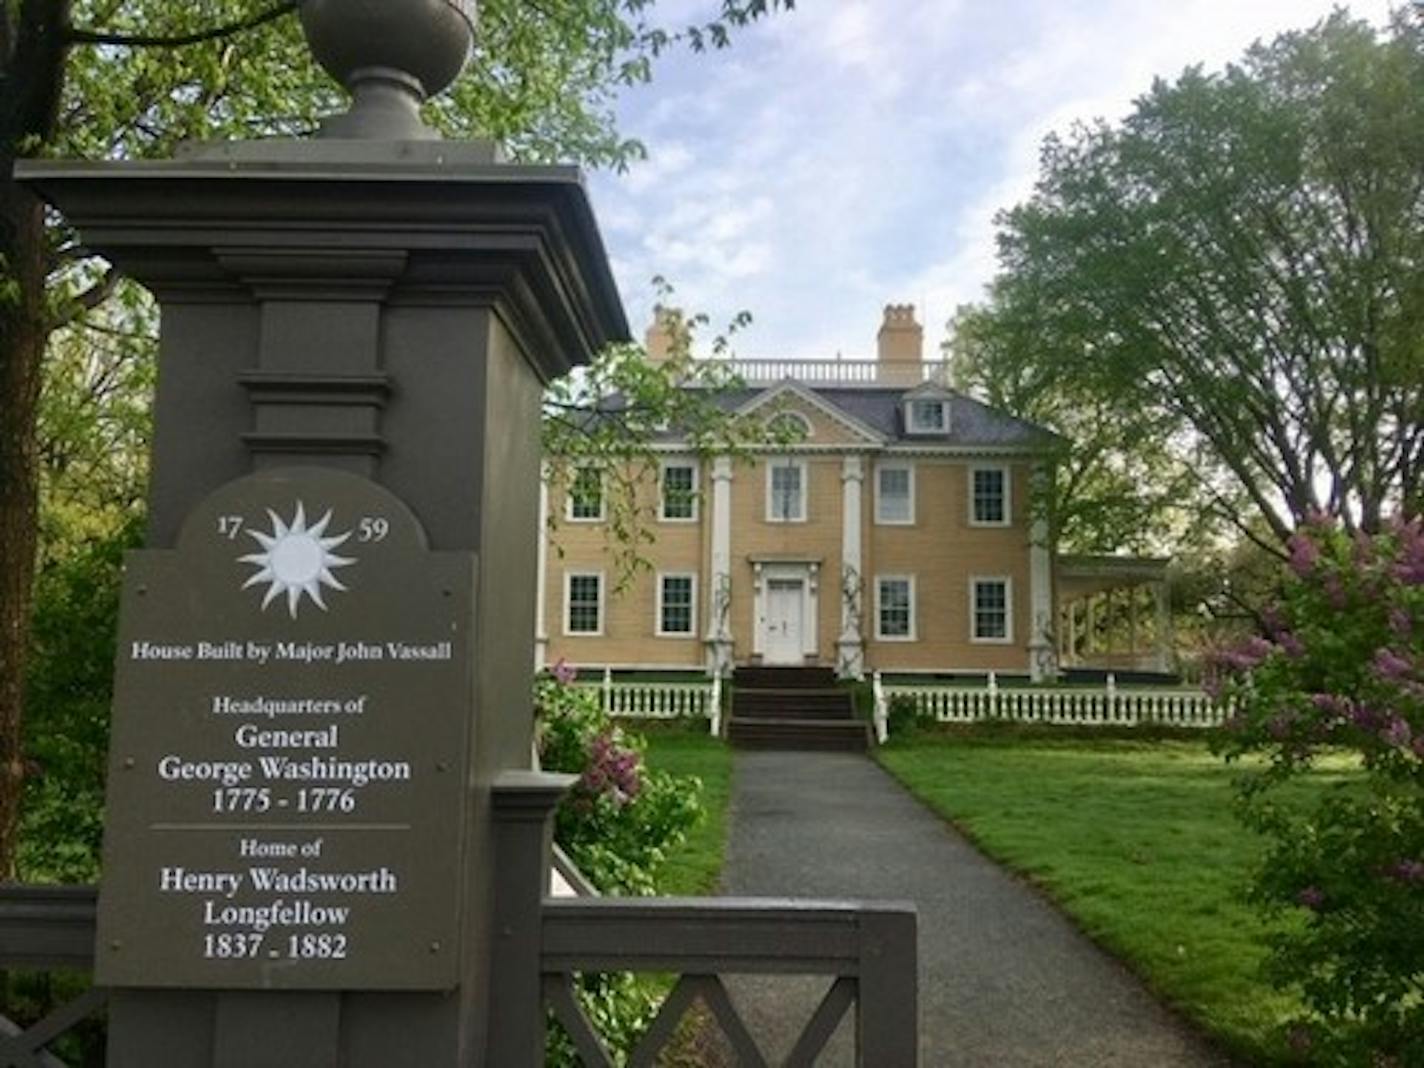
[901, 340]
[667, 335]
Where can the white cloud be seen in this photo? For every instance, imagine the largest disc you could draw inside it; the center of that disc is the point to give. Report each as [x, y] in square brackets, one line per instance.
[853, 153]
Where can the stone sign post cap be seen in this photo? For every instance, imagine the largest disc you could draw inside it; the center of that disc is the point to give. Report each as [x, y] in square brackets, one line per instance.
[391, 55]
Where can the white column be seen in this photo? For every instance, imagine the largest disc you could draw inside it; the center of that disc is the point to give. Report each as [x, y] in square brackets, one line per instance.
[719, 594]
[1042, 663]
[850, 647]
[541, 586]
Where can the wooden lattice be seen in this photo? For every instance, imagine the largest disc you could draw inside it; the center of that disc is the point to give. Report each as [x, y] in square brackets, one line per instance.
[709, 990]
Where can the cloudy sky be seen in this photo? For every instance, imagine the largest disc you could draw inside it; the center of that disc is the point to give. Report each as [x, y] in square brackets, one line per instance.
[853, 152]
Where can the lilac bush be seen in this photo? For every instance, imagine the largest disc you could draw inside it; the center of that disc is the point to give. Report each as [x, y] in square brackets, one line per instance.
[621, 817]
[1339, 669]
[617, 824]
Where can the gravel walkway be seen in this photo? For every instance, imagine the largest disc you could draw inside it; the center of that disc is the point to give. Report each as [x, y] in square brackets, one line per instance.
[1004, 979]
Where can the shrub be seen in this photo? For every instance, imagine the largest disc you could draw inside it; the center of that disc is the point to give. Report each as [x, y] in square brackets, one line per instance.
[902, 716]
[1340, 667]
[617, 824]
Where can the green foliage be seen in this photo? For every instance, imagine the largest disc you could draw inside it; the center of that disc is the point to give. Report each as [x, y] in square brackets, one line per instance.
[1226, 291]
[621, 817]
[1118, 485]
[903, 716]
[1341, 668]
[69, 691]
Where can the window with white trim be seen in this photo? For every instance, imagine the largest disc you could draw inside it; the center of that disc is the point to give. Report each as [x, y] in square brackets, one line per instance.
[895, 493]
[677, 606]
[586, 495]
[895, 608]
[991, 610]
[678, 491]
[583, 602]
[989, 496]
[926, 415]
[785, 491]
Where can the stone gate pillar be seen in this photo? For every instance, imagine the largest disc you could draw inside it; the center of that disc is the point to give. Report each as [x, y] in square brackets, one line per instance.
[390, 309]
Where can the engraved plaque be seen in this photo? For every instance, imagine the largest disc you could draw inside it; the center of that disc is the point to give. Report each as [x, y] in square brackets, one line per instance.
[290, 741]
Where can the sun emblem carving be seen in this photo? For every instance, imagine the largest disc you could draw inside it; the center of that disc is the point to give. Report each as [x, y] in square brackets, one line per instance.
[296, 560]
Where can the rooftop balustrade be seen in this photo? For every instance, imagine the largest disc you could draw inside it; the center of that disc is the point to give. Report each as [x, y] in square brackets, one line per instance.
[840, 373]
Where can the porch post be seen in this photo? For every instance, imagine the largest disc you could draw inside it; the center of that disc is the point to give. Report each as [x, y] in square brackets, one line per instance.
[850, 658]
[719, 600]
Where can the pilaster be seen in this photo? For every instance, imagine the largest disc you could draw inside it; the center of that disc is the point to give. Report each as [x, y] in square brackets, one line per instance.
[850, 646]
[719, 592]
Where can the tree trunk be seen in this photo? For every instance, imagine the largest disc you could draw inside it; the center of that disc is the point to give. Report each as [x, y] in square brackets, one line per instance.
[23, 332]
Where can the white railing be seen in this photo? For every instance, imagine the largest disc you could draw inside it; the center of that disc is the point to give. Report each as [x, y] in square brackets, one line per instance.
[1080, 706]
[839, 372]
[659, 700]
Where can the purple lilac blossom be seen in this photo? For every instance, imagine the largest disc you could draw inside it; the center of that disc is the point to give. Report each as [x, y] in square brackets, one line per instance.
[1312, 897]
[1397, 733]
[1390, 665]
[1400, 623]
[1366, 718]
[1293, 646]
[1408, 871]
[564, 672]
[1304, 554]
[1409, 563]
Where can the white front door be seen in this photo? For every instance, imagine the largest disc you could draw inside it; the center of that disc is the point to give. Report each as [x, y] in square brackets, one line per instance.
[784, 622]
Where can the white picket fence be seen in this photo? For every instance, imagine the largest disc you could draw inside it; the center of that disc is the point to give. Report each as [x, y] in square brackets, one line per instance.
[1082, 706]
[661, 700]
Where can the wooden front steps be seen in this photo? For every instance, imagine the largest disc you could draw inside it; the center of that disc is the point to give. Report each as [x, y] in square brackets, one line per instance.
[793, 708]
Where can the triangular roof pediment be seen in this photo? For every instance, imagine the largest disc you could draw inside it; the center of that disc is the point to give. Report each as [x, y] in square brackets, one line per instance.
[790, 389]
[932, 390]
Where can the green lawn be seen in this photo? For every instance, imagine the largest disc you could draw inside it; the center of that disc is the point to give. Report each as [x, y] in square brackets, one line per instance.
[1137, 841]
[693, 867]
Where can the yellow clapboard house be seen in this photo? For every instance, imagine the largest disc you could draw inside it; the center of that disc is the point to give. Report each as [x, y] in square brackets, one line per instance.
[898, 533]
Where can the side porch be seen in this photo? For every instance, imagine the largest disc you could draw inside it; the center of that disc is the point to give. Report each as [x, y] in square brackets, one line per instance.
[1114, 617]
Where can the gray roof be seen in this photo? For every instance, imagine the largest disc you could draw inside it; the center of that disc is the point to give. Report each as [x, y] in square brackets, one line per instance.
[882, 409]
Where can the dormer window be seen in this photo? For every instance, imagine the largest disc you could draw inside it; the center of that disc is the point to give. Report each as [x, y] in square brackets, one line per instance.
[927, 415]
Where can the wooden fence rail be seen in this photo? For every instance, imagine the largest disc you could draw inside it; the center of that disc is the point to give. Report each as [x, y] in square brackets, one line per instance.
[867, 949]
